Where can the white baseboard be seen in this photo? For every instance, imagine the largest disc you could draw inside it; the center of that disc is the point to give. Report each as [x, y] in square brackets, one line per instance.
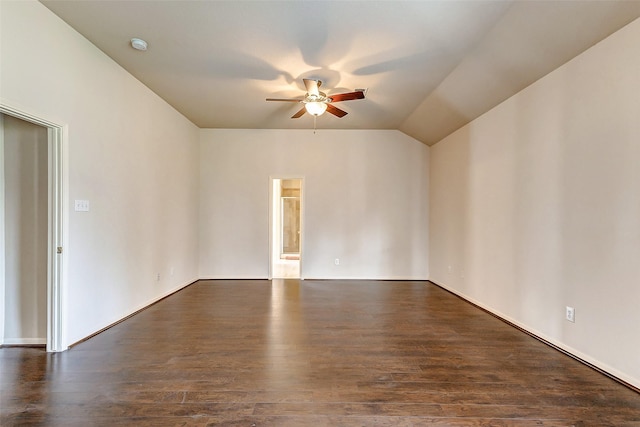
[133, 312]
[392, 278]
[162, 296]
[24, 341]
[606, 369]
[380, 279]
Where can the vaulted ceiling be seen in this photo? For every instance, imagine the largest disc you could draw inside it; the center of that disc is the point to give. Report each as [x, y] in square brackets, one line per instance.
[429, 67]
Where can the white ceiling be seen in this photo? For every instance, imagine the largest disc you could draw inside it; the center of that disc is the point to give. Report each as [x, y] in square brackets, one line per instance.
[429, 66]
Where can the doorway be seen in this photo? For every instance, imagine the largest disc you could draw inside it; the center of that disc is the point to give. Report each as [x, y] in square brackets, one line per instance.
[31, 215]
[25, 231]
[286, 228]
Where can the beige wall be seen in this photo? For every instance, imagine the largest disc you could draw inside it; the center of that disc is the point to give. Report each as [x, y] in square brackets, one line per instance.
[536, 205]
[25, 223]
[365, 202]
[129, 153]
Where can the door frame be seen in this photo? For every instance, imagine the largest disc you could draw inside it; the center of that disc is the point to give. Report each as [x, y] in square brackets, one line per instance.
[272, 178]
[57, 134]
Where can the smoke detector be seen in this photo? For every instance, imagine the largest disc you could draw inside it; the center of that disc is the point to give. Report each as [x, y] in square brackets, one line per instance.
[138, 44]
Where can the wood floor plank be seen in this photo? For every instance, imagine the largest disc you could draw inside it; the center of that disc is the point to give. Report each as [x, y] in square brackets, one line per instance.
[257, 353]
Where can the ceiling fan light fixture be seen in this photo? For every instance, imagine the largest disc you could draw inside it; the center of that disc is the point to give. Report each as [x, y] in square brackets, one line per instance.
[316, 102]
[315, 108]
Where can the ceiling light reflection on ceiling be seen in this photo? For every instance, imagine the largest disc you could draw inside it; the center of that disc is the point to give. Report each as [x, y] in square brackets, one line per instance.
[315, 108]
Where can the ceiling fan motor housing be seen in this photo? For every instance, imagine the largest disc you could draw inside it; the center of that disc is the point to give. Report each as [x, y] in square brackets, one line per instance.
[321, 97]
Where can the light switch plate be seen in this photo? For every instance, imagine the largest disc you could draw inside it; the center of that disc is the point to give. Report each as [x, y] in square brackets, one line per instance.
[82, 205]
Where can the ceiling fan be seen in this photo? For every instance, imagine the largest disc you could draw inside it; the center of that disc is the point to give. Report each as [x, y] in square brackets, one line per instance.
[316, 102]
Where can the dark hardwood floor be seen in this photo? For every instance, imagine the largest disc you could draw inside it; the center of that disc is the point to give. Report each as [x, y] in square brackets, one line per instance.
[312, 353]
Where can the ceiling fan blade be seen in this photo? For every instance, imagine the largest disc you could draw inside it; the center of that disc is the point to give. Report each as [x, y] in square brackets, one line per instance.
[284, 99]
[312, 86]
[336, 111]
[299, 113]
[347, 96]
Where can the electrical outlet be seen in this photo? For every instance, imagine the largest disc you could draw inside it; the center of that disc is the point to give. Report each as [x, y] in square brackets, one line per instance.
[337, 261]
[158, 278]
[570, 314]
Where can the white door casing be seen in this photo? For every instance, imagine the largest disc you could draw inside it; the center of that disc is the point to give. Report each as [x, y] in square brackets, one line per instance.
[57, 220]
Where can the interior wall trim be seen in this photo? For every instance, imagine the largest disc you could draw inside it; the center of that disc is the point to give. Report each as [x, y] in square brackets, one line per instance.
[568, 351]
[136, 311]
[24, 342]
[57, 222]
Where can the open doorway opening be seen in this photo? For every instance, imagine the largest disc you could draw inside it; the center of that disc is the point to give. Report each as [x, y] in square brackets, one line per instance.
[286, 228]
[31, 230]
[25, 218]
